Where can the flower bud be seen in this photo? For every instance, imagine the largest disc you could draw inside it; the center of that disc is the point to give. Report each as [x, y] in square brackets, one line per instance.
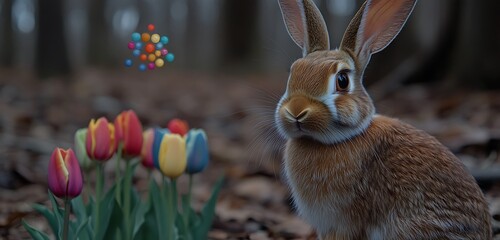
[65, 176]
[81, 151]
[178, 126]
[128, 131]
[147, 149]
[158, 137]
[100, 142]
[197, 151]
[172, 155]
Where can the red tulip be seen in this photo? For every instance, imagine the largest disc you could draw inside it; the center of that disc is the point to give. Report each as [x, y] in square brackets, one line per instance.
[65, 176]
[129, 133]
[100, 142]
[178, 126]
[147, 149]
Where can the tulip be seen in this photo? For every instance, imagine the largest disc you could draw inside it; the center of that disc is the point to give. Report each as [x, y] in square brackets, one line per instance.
[147, 149]
[178, 126]
[197, 151]
[65, 176]
[172, 155]
[158, 136]
[128, 131]
[81, 151]
[100, 143]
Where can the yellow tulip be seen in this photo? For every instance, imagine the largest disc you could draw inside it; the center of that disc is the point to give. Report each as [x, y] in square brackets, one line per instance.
[172, 155]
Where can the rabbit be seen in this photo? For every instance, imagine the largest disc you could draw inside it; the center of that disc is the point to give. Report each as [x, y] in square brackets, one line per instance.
[354, 174]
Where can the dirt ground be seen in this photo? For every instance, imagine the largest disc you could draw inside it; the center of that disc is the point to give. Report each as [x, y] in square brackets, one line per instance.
[237, 113]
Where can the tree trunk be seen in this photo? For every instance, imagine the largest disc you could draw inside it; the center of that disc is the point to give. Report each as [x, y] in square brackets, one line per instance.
[7, 47]
[51, 51]
[239, 31]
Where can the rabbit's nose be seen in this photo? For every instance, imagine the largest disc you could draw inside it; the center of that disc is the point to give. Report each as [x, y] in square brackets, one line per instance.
[300, 117]
[297, 109]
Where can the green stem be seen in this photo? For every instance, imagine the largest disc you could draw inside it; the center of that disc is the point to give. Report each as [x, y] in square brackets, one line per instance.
[127, 186]
[118, 174]
[87, 186]
[98, 196]
[67, 209]
[150, 176]
[170, 212]
[187, 210]
[174, 196]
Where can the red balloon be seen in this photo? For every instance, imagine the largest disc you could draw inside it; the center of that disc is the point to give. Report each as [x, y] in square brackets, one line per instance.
[151, 27]
[150, 48]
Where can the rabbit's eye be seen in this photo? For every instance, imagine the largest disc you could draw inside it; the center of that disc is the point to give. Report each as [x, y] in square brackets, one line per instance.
[342, 82]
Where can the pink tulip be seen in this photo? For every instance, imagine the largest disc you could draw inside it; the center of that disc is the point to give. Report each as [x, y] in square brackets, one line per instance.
[100, 141]
[65, 176]
[129, 132]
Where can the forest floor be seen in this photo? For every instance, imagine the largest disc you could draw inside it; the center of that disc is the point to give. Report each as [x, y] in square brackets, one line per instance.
[237, 113]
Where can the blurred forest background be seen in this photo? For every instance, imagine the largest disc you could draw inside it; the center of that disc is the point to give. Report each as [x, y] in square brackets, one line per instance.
[61, 63]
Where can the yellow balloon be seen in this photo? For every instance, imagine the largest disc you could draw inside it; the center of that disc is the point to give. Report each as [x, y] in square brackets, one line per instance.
[159, 62]
[172, 155]
[155, 38]
[151, 57]
[158, 53]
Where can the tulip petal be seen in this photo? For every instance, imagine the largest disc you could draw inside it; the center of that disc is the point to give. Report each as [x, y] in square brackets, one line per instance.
[90, 139]
[75, 180]
[119, 127]
[158, 136]
[147, 149]
[132, 134]
[172, 155]
[102, 140]
[113, 144]
[81, 151]
[198, 153]
[178, 126]
[57, 174]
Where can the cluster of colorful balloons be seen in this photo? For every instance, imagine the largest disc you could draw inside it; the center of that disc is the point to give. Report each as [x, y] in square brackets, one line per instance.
[150, 48]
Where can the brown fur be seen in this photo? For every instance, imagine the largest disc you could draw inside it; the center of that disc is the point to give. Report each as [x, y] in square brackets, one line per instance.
[392, 168]
[354, 175]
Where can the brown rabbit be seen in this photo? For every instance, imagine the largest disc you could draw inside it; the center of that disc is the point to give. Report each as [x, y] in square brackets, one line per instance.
[354, 174]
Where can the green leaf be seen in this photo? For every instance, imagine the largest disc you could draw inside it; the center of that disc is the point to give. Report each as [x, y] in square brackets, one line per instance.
[89, 209]
[182, 230]
[138, 216]
[82, 219]
[80, 233]
[105, 211]
[35, 234]
[115, 221]
[190, 218]
[79, 208]
[51, 219]
[149, 229]
[146, 226]
[208, 213]
[57, 214]
[159, 208]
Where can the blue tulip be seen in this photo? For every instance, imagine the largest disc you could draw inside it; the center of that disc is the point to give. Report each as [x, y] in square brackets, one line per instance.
[158, 136]
[197, 151]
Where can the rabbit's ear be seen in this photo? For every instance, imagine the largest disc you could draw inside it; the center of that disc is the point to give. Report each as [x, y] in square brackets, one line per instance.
[375, 25]
[305, 25]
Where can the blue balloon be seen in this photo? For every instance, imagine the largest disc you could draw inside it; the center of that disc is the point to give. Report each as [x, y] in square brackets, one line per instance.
[164, 39]
[136, 52]
[138, 45]
[142, 67]
[170, 57]
[136, 37]
[128, 62]
[159, 46]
